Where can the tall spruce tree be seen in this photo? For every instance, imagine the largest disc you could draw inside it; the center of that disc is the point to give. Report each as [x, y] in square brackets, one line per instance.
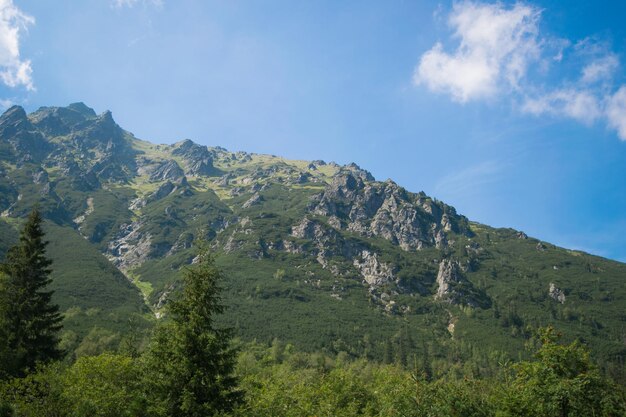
[29, 321]
[190, 362]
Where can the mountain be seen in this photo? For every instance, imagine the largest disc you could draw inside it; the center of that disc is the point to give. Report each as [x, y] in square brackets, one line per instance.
[317, 254]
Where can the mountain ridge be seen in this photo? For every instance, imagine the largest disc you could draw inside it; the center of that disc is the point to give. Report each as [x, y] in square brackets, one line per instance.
[298, 239]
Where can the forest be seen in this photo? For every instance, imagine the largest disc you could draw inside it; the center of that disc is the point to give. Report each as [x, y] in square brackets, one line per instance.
[190, 364]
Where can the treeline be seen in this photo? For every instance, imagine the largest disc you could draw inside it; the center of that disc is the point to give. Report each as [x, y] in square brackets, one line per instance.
[276, 381]
[192, 367]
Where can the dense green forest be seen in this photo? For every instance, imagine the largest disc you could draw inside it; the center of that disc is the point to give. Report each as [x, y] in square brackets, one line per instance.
[189, 364]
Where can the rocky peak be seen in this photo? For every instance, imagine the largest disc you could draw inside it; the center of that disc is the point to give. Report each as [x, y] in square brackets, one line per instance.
[82, 108]
[101, 131]
[13, 116]
[197, 158]
[59, 121]
[27, 142]
[14, 121]
[361, 173]
[107, 117]
[385, 209]
[184, 147]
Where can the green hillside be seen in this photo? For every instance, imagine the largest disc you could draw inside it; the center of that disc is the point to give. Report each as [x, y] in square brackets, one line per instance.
[318, 255]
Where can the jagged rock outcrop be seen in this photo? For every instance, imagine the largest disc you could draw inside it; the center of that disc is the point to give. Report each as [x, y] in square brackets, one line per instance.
[197, 159]
[167, 188]
[556, 293]
[94, 146]
[411, 221]
[167, 170]
[61, 121]
[21, 139]
[454, 288]
[130, 247]
[327, 242]
[256, 199]
[374, 272]
[448, 276]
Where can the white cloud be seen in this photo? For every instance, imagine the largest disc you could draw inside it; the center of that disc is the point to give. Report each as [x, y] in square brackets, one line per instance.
[496, 45]
[14, 71]
[582, 106]
[601, 69]
[616, 112]
[118, 4]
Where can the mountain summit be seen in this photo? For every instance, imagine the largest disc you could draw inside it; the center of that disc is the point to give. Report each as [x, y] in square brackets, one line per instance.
[318, 254]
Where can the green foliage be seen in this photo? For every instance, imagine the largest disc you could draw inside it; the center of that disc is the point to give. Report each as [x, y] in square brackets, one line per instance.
[30, 322]
[92, 190]
[38, 394]
[278, 381]
[108, 385]
[309, 384]
[190, 362]
[561, 382]
[89, 290]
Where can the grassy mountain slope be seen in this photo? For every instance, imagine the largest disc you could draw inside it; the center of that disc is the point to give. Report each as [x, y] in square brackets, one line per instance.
[319, 255]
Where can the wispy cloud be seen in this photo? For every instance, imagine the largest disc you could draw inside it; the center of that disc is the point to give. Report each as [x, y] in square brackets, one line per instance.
[601, 69]
[14, 71]
[576, 104]
[119, 4]
[469, 179]
[616, 112]
[497, 44]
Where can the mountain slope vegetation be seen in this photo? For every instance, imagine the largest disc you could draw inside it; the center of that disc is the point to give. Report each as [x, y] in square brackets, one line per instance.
[316, 254]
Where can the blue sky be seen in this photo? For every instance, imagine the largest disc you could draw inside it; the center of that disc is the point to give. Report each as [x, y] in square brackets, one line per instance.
[512, 112]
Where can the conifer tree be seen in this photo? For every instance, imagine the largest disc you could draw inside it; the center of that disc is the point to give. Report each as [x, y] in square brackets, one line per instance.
[190, 362]
[29, 321]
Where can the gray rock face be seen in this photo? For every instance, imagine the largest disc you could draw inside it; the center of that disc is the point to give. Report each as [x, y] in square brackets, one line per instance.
[168, 170]
[448, 276]
[130, 247]
[327, 242]
[197, 158]
[253, 201]
[224, 180]
[454, 288]
[161, 192]
[168, 188]
[359, 172]
[411, 221]
[103, 149]
[556, 293]
[58, 121]
[374, 272]
[27, 142]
